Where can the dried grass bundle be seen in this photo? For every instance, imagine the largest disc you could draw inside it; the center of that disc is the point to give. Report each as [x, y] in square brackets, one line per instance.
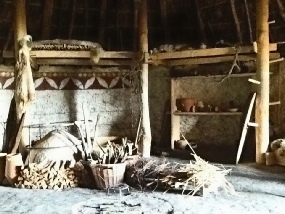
[196, 176]
[201, 174]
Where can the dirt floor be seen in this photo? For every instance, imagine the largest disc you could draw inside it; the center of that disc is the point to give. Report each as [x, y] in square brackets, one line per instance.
[261, 189]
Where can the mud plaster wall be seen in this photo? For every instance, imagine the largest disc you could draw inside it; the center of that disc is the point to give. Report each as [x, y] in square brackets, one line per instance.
[119, 108]
[215, 129]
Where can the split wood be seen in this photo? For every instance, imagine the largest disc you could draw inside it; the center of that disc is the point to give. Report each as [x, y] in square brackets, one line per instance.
[50, 176]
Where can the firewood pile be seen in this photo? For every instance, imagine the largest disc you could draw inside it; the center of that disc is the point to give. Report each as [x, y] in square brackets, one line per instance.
[48, 176]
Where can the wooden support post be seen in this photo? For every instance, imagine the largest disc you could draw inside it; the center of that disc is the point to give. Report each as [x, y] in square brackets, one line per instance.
[262, 68]
[24, 85]
[20, 26]
[144, 149]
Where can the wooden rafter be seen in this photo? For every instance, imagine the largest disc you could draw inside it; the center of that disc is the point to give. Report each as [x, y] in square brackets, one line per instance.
[135, 24]
[70, 30]
[248, 21]
[86, 18]
[236, 21]
[200, 21]
[102, 22]
[163, 13]
[47, 19]
[281, 9]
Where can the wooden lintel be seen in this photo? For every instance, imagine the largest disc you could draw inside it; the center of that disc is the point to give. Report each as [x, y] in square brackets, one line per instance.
[207, 52]
[74, 54]
[209, 60]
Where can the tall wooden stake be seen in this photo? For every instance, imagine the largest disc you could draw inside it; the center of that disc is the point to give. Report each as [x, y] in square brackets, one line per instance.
[262, 69]
[145, 146]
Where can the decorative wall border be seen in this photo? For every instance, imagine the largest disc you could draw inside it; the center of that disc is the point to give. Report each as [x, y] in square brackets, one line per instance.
[71, 80]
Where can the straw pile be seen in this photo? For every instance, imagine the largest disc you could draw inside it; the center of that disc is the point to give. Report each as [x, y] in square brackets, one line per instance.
[198, 175]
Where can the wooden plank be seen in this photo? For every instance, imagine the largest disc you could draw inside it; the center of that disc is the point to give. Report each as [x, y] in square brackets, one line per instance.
[245, 127]
[207, 52]
[47, 19]
[74, 54]
[209, 60]
[102, 62]
[207, 113]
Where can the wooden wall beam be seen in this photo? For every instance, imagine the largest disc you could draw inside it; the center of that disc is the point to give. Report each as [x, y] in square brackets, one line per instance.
[262, 69]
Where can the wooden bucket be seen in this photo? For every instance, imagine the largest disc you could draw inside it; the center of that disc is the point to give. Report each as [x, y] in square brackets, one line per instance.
[108, 175]
[2, 166]
[14, 163]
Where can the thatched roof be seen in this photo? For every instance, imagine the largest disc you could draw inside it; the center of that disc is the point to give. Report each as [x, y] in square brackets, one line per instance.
[111, 22]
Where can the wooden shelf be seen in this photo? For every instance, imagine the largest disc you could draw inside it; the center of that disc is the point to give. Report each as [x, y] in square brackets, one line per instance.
[216, 76]
[206, 113]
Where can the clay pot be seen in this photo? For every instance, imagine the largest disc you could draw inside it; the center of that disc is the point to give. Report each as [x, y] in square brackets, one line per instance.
[2, 166]
[185, 104]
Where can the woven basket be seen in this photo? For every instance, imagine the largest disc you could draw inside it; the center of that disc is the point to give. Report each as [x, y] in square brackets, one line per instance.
[108, 175]
[2, 166]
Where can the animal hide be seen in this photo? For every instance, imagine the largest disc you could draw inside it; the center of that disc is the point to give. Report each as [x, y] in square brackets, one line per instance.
[25, 89]
[57, 145]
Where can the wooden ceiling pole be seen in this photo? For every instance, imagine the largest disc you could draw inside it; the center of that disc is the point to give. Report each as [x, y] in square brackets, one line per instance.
[262, 70]
[47, 19]
[201, 23]
[145, 144]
